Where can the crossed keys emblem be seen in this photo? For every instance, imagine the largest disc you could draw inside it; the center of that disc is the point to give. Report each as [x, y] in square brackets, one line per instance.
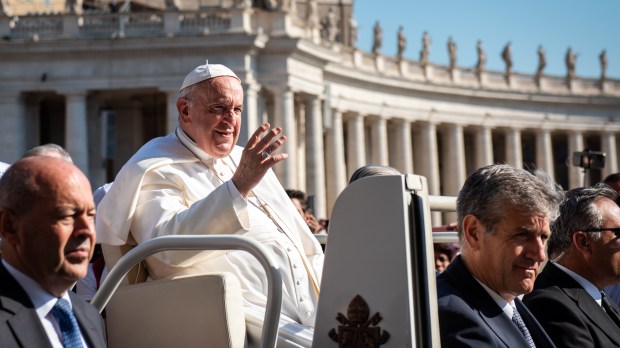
[357, 329]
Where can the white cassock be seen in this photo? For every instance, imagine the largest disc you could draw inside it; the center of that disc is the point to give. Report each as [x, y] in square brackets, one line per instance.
[171, 187]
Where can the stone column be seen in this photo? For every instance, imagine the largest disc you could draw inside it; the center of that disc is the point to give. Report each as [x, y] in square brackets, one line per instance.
[129, 131]
[336, 169]
[379, 142]
[575, 174]
[403, 151]
[315, 157]
[608, 145]
[453, 163]
[356, 143]
[32, 118]
[285, 118]
[172, 114]
[13, 125]
[544, 152]
[484, 147]
[96, 131]
[250, 120]
[300, 133]
[427, 162]
[514, 149]
[76, 129]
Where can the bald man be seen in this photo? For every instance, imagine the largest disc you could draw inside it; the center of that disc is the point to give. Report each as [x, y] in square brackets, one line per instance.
[47, 227]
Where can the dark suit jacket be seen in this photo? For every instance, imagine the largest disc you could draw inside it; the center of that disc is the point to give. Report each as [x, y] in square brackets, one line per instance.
[20, 326]
[469, 317]
[568, 313]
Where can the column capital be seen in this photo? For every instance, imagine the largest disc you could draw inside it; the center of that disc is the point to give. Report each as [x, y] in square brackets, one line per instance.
[575, 132]
[72, 92]
[251, 86]
[282, 87]
[482, 127]
[308, 98]
[428, 122]
[514, 128]
[399, 121]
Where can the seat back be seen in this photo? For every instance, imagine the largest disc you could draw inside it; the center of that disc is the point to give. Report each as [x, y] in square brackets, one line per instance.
[157, 308]
[379, 223]
[189, 311]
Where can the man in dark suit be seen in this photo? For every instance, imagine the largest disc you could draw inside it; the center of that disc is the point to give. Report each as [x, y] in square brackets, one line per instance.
[568, 298]
[503, 224]
[48, 236]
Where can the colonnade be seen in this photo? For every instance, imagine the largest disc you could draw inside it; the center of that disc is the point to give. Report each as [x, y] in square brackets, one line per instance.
[325, 145]
[333, 146]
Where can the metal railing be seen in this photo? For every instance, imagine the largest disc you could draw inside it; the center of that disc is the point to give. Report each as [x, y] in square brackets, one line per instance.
[443, 204]
[200, 242]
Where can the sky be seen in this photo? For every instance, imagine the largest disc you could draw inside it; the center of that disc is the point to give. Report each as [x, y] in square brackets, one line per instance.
[587, 27]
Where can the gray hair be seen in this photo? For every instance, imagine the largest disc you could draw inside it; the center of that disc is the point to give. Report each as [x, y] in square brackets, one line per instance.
[372, 170]
[49, 150]
[490, 190]
[578, 212]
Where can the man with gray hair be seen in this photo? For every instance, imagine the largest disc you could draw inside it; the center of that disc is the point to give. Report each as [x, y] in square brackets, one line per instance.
[568, 298]
[503, 226]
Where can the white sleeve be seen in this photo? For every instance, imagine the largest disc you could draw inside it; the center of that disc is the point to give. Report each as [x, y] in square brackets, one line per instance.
[165, 208]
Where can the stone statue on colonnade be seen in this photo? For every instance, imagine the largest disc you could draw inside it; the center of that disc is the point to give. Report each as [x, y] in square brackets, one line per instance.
[378, 39]
[452, 53]
[507, 58]
[352, 31]
[571, 62]
[425, 52]
[402, 43]
[330, 26]
[542, 63]
[482, 60]
[603, 59]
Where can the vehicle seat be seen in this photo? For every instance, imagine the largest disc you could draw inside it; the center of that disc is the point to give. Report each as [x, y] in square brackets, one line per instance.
[188, 311]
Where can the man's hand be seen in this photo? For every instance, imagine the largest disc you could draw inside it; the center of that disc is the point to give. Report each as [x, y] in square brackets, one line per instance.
[258, 157]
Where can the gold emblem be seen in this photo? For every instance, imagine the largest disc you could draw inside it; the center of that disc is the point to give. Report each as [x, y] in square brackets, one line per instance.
[357, 329]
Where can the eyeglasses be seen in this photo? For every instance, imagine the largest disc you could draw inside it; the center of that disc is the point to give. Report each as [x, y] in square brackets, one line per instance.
[615, 230]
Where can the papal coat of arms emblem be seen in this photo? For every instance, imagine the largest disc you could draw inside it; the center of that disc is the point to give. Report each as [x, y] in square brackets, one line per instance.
[358, 330]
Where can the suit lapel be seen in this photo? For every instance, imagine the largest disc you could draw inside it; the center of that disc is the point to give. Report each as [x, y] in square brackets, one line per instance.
[28, 329]
[594, 312]
[585, 303]
[540, 337]
[489, 311]
[25, 322]
[88, 325]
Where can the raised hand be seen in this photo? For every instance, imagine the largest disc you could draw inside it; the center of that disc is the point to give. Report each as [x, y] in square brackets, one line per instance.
[257, 157]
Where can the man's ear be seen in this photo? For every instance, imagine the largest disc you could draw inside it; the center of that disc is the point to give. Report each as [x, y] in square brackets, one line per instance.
[183, 108]
[582, 243]
[472, 231]
[8, 222]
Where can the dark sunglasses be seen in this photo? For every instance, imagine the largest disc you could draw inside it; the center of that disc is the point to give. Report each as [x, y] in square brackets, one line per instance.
[615, 230]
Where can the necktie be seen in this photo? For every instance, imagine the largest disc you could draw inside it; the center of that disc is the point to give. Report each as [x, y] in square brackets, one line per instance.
[517, 320]
[69, 328]
[609, 308]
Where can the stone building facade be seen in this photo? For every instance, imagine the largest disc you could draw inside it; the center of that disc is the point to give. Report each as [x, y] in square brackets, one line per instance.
[103, 83]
